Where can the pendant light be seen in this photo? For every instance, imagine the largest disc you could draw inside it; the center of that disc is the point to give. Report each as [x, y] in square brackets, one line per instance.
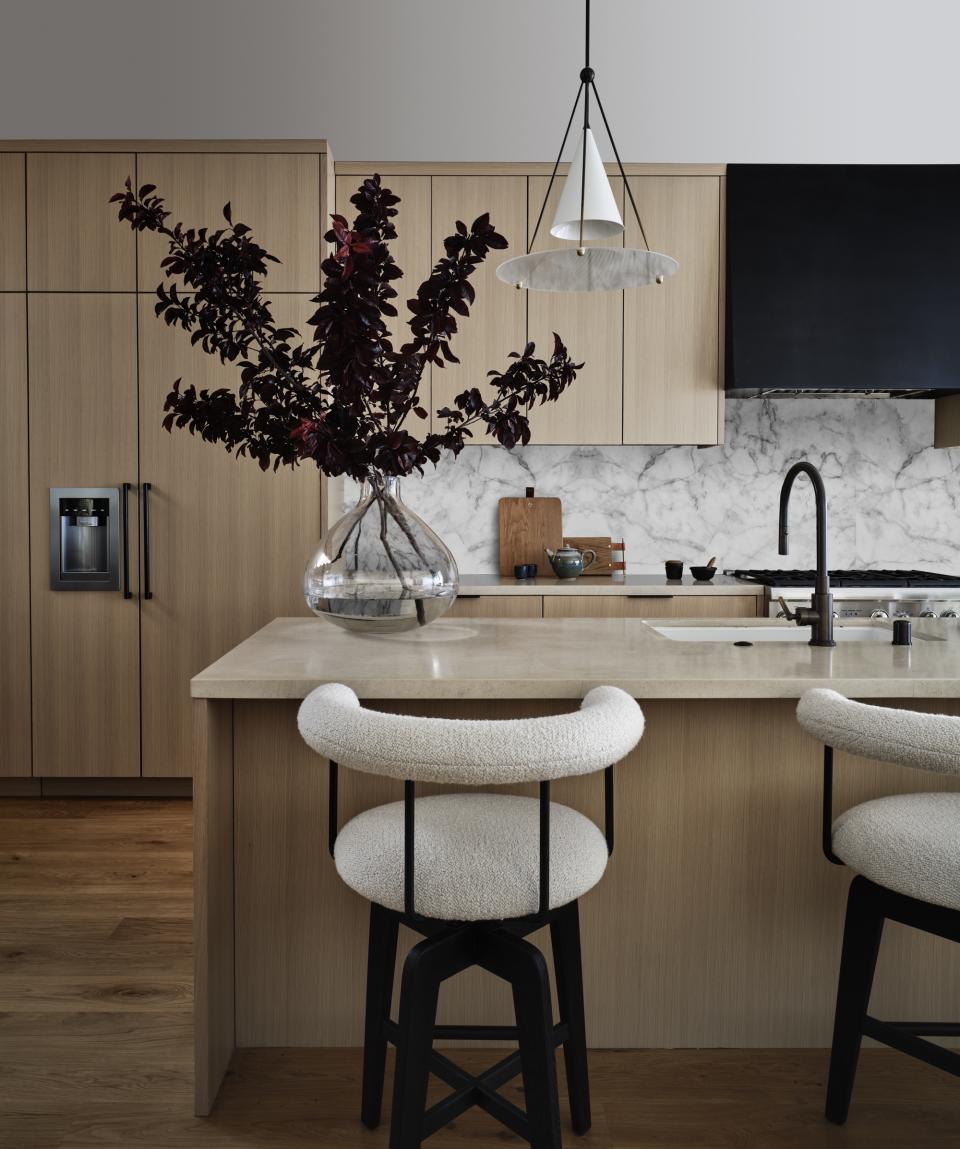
[587, 211]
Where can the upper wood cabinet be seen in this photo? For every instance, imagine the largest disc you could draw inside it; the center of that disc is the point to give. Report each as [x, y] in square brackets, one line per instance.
[591, 325]
[13, 231]
[15, 532]
[672, 386]
[74, 240]
[228, 542]
[83, 433]
[277, 195]
[497, 322]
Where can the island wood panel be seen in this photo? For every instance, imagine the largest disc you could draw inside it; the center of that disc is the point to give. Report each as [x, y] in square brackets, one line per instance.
[671, 363]
[497, 606]
[591, 326]
[652, 606]
[83, 433]
[74, 239]
[213, 920]
[497, 323]
[228, 542]
[13, 239]
[718, 922]
[278, 196]
[15, 532]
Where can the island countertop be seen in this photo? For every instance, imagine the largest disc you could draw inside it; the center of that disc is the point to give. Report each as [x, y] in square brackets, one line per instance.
[564, 658]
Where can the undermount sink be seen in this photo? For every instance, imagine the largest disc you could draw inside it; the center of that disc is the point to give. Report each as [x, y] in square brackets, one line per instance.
[785, 633]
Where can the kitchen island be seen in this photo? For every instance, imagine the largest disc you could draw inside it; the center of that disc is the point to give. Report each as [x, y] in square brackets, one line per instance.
[727, 916]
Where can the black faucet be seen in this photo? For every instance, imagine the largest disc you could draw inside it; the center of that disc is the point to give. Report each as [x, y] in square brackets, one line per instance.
[819, 614]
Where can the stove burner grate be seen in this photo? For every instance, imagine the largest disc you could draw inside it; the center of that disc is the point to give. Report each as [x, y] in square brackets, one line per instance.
[845, 578]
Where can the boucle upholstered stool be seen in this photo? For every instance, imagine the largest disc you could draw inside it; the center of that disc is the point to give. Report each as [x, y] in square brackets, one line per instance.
[906, 853]
[474, 874]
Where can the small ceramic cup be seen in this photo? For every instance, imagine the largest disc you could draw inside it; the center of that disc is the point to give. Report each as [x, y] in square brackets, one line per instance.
[522, 571]
[674, 568]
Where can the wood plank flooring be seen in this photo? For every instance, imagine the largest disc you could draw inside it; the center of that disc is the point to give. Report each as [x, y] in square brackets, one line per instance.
[95, 1030]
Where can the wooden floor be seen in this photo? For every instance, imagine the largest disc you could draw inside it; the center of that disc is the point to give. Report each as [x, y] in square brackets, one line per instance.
[95, 1042]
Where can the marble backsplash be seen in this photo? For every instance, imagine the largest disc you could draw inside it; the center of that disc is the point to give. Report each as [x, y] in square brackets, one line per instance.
[893, 500]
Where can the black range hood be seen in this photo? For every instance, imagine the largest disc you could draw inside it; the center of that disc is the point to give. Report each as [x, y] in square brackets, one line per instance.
[843, 279]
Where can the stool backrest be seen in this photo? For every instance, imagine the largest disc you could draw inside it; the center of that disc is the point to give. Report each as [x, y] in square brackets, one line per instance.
[605, 729]
[903, 737]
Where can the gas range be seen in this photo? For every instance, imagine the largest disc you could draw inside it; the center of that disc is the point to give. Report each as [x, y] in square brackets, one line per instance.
[863, 593]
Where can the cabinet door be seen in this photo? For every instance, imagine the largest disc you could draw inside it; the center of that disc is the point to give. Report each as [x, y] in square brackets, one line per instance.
[497, 322]
[74, 240]
[228, 542]
[591, 325]
[83, 433]
[12, 223]
[497, 606]
[671, 368]
[648, 606]
[276, 195]
[15, 531]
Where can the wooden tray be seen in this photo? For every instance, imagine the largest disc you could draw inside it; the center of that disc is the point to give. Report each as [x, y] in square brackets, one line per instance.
[605, 547]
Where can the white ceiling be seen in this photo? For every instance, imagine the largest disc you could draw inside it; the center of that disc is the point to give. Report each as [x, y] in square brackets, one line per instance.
[682, 80]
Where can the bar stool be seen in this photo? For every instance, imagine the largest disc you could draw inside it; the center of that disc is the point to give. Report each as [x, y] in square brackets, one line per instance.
[474, 874]
[905, 851]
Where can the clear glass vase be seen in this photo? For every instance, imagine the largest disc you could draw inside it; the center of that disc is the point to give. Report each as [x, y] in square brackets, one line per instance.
[380, 569]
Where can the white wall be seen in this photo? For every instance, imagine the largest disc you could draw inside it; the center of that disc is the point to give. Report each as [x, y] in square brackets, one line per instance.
[683, 80]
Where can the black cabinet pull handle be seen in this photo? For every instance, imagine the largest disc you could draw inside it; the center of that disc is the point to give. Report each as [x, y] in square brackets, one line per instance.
[147, 592]
[125, 527]
[651, 596]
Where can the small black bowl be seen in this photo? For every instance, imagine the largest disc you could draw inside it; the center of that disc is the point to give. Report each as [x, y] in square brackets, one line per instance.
[703, 574]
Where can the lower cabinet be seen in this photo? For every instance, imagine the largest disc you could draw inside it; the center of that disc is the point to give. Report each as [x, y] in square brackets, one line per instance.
[647, 606]
[497, 606]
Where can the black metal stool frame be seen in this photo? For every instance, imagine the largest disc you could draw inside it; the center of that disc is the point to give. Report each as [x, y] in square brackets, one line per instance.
[447, 949]
[868, 907]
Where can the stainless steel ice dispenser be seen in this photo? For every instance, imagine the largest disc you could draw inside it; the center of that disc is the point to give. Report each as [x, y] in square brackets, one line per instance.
[85, 537]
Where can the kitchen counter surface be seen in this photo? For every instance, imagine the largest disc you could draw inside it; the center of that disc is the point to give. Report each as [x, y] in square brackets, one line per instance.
[632, 585]
[563, 658]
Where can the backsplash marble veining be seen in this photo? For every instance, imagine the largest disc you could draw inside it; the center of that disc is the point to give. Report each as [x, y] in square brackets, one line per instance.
[893, 500]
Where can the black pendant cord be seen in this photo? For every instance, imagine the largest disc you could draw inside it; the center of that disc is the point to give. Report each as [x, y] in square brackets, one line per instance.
[556, 166]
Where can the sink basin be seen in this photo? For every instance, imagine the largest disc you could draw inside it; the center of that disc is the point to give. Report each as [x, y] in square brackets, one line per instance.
[785, 633]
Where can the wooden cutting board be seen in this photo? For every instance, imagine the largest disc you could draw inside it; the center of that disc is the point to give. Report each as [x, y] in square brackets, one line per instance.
[528, 525]
[610, 553]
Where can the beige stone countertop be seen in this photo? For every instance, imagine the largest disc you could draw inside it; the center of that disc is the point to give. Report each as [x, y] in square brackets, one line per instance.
[564, 658]
[633, 586]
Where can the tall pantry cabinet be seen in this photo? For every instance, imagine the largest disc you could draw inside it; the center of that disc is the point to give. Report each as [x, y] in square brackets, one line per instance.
[96, 684]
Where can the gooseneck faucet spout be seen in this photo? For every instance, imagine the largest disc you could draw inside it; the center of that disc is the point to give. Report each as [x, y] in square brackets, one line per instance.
[819, 615]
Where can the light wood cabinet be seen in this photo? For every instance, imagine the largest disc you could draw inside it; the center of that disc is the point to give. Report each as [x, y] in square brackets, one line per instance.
[74, 240]
[15, 532]
[649, 606]
[13, 231]
[228, 542]
[83, 432]
[591, 325]
[498, 319]
[672, 389]
[277, 196]
[497, 606]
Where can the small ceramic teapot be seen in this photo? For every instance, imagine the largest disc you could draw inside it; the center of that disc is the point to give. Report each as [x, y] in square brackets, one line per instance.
[568, 562]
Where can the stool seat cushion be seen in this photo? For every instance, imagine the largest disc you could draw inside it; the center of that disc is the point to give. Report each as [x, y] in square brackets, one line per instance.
[476, 858]
[909, 843]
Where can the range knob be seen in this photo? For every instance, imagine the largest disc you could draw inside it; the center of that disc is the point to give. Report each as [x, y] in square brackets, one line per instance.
[928, 614]
[948, 614]
[879, 614]
[901, 614]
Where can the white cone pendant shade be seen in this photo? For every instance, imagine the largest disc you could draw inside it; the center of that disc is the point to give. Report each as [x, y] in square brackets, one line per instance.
[587, 184]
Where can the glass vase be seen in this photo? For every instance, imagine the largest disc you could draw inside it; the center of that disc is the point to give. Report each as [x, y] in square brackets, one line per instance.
[380, 569]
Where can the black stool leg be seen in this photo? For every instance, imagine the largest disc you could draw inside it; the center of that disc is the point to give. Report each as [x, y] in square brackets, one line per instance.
[862, 932]
[565, 939]
[524, 966]
[428, 964]
[381, 962]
